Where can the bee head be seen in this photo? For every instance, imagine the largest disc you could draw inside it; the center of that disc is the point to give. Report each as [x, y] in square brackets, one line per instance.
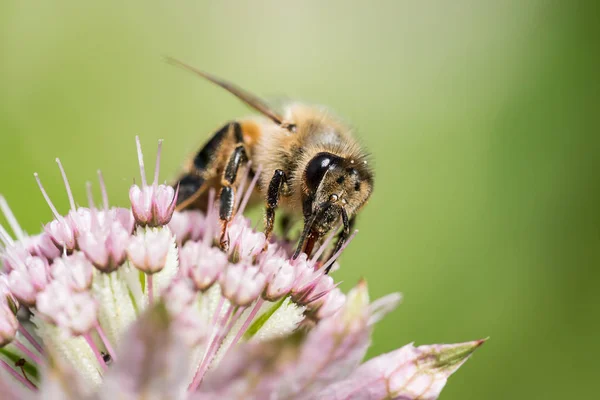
[335, 188]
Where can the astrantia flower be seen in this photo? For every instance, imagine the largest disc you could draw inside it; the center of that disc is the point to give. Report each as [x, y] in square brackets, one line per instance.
[138, 303]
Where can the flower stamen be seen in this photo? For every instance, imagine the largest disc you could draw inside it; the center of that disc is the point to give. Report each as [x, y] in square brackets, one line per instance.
[141, 160]
[5, 237]
[315, 259]
[57, 216]
[67, 186]
[249, 190]
[157, 167]
[337, 253]
[11, 219]
[103, 191]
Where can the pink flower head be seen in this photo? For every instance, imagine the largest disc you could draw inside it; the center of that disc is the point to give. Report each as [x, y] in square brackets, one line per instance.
[242, 284]
[6, 296]
[106, 242]
[74, 271]
[202, 264]
[27, 279]
[152, 205]
[249, 323]
[42, 246]
[332, 302]
[141, 203]
[14, 254]
[245, 242]
[64, 230]
[8, 325]
[74, 311]
[148, 250]
[181, 227]
[281, 276]
[80, 220]
[62, 233]
[188, 225]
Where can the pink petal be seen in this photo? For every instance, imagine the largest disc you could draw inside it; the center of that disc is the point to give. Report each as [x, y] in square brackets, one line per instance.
[407, 373]
[152, 364]
[74, 311]
[163, 204]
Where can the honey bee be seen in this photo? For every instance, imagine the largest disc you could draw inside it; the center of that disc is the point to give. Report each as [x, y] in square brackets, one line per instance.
[308, 163]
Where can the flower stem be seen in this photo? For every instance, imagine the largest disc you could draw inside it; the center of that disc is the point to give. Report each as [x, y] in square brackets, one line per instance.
[150, 285]
[90, 342]
[27, 352]
[212, 350]
[217, 313]
[246, 324]
[26, 382]
[106, 342]
[31, 339]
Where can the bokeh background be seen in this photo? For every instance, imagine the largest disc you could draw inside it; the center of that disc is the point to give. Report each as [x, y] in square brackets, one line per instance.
[482, 116]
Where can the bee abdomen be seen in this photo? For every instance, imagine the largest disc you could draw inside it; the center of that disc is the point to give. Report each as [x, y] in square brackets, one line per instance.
[203, 159]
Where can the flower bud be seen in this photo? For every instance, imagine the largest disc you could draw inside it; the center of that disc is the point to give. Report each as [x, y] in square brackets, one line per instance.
[74, 311]
[148, 249]
[8, 325]
[202, 264]
[28, 279]
[280, 278]
[74, 271]
[242, 284]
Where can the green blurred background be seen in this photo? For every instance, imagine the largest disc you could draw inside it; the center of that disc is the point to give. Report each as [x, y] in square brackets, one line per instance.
[482, 117]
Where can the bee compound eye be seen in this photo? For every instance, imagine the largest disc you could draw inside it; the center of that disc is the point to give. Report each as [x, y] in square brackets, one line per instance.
[317, 167]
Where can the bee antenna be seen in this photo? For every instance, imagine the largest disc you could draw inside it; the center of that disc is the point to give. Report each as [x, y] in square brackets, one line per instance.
[245, 96]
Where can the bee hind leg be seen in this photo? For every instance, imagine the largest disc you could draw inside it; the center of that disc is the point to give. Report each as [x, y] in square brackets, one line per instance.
[227, 195]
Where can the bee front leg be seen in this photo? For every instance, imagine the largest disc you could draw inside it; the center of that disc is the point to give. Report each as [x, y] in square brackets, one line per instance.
[278, 182]
[342, 237]
[227, 195]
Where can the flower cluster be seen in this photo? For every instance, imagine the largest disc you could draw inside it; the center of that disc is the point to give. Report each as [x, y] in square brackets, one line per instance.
[139, 302]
